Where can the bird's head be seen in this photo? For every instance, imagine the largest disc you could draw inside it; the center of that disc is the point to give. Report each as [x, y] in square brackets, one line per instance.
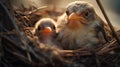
[79, 14]
[45, 27]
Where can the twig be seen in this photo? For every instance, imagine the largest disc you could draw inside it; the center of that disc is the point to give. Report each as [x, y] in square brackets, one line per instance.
[31, 50]
[13, 45]
[12, 20]
[84, 52]
[9, 33]
[10, 17]
[23, 21]
[21, 57]
[33, 11]
[24, 41]
[74, 53]
[108, 21]
[108, 45]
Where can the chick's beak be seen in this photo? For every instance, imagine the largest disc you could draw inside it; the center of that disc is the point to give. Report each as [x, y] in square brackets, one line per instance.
[75, 21]
[46, 33]
[47, 30]
[75, 17]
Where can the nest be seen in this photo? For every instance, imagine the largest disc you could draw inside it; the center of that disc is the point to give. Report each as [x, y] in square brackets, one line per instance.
[19, 47]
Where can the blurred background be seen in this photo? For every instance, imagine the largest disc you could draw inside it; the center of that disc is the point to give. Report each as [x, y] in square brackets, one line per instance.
[112, 7]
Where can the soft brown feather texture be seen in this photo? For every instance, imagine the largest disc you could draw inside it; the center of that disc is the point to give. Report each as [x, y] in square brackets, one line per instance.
[75, 32]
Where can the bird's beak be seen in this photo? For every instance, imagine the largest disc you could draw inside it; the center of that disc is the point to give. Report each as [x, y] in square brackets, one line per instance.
[75, 17]
[75, 21]
[47, 30]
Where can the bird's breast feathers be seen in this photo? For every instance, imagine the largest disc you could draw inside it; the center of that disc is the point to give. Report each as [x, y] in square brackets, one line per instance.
[77, 38]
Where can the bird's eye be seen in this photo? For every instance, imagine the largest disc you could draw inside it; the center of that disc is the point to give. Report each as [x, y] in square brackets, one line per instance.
[67, 12]
[54, 27]
[86, 14]
[39, 28]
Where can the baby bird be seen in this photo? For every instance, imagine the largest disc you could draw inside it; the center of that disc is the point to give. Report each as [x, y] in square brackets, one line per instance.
[80, 26]
[45, 30]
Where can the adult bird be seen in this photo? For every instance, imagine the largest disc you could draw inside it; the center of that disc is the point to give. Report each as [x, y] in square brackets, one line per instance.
[80, 26]
[45, 30]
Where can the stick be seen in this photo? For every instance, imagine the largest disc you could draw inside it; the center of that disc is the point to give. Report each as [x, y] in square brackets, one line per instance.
[108, 21]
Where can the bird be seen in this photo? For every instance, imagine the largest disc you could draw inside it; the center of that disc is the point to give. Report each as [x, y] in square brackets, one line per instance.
[45, 30]
[81, 27]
